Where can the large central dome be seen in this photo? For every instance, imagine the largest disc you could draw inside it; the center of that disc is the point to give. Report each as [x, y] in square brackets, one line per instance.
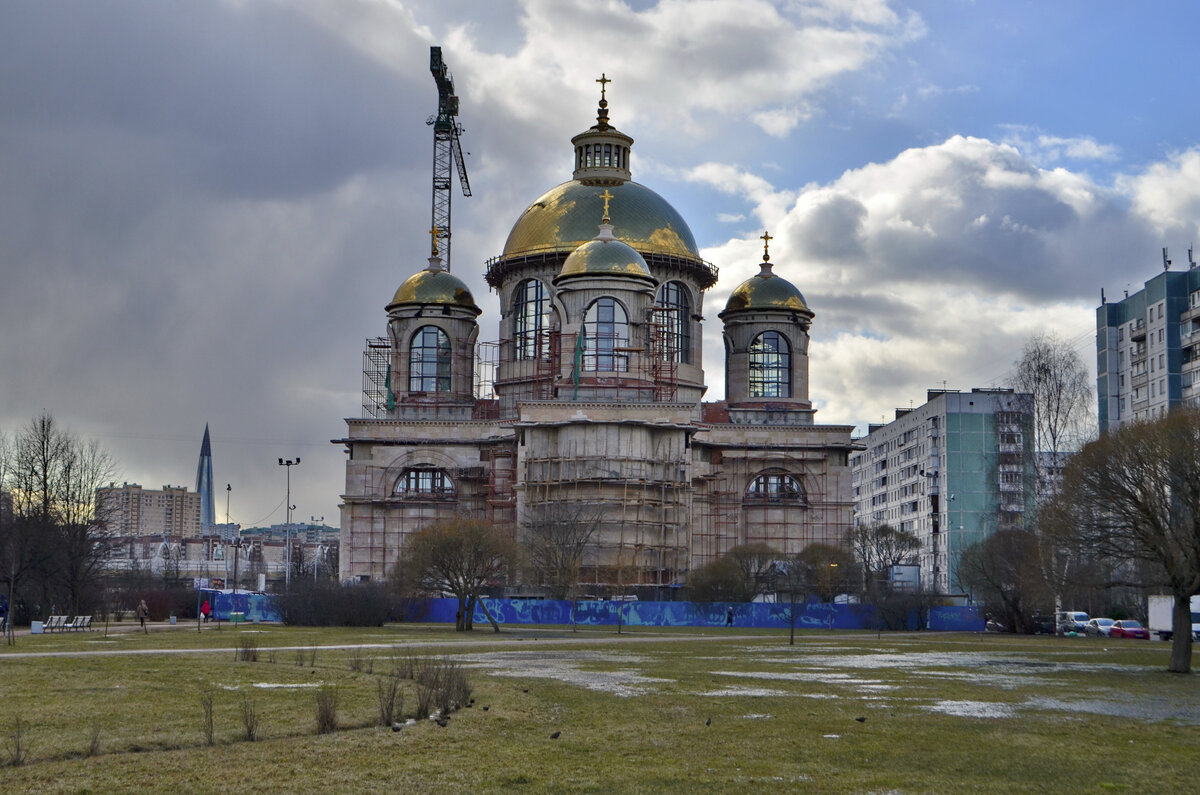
[564, 218]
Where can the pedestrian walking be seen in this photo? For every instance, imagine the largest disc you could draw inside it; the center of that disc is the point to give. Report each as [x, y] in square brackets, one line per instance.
[142, 612]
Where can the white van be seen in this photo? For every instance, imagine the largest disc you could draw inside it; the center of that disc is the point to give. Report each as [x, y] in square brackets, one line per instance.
[1072, 621]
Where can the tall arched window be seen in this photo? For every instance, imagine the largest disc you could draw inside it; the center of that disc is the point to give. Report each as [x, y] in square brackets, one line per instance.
[605, 332]
[531, 320]
[770, 366]
[673, 318]
[429, 361]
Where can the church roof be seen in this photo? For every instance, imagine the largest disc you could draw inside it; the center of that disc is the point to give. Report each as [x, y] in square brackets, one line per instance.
[564, 218]
[605, 256]
[434, 286]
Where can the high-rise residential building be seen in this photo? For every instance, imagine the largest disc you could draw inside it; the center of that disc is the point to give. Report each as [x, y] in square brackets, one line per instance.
[588, 412]
[951, 472]
[204, 486]
[130, 510]
[1148, 348]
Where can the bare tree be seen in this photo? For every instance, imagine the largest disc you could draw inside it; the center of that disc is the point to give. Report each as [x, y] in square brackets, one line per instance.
[877, 549]
[1054, 374]
[54, 539]
[460, 556]
[740, 575]
[1134, 496]
[1000, 571]
[555, 538]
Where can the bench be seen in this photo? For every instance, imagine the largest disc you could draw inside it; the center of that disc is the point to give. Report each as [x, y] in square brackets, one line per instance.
[55, 622]
[79, 622]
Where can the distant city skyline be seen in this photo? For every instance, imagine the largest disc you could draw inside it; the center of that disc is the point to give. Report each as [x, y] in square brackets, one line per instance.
[207, 206]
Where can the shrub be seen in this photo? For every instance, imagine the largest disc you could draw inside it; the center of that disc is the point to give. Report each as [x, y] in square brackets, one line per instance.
[327, 701]
[329, 604]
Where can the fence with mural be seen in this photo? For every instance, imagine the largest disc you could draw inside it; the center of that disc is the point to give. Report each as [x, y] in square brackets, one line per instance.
[810, 615]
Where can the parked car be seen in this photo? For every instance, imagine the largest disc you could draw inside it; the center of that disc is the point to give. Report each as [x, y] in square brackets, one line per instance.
[1072, 621]
[1128, 628]
[1098, 626]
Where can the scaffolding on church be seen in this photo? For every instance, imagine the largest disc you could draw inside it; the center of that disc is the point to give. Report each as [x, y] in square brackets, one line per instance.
[637, 507]
[727, 514]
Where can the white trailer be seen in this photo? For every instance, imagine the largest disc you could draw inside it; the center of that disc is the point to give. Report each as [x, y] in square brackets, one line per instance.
[1160, 614]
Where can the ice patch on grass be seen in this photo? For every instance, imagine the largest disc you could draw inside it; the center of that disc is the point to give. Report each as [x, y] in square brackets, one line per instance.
[568, 667]
[807, 677]
[753, 692]
[973, 709]
[832, 736]
[757, 716]
[1148, 709]
[282, 686]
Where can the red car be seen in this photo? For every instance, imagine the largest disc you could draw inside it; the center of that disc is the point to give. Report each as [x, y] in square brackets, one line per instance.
[1128, 628]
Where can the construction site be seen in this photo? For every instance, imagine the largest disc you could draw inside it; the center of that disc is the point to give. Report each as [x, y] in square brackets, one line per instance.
[585, 419]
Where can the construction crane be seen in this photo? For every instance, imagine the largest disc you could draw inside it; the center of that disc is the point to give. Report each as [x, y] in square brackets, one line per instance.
[447, 152]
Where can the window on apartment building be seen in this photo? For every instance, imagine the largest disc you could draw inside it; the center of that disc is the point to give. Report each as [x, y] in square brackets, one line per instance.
[1160, 311]
[1162, 387]
[1160, 334]
[1161, 363]
[1120, 334]
[1151, 389]
[1122, 380]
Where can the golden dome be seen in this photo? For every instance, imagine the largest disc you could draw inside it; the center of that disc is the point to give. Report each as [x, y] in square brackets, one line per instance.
[765, 290]
[434, 286]
[564, 218]
[605, 256]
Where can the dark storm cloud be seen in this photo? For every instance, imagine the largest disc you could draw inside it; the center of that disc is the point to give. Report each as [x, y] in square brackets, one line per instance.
[249, 99]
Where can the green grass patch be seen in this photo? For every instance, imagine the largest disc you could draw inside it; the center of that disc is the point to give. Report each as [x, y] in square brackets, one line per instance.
[652, 711]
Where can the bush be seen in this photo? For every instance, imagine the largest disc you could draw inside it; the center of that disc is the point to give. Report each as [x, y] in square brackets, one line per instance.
[329, 604]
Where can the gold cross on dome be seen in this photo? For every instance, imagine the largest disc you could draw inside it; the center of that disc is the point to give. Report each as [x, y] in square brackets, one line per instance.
[607, 198]
[434, 232]
[603, 81]
[766, 239]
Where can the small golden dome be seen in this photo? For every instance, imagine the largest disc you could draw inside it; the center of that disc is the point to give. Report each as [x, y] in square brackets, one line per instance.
[434, 286]
[605, 256]
[564, 218]
[765, 290]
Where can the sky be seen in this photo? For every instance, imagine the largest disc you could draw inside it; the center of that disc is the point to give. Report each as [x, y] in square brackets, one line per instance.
[206, 206]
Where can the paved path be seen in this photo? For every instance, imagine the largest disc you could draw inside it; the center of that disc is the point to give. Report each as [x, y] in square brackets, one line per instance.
[550, 637]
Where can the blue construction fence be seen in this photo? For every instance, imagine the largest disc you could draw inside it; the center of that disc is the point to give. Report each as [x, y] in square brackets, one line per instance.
[812, 615]
[252, 607]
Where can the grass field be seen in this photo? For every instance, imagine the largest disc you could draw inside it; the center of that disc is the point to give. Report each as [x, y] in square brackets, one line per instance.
[652, 711]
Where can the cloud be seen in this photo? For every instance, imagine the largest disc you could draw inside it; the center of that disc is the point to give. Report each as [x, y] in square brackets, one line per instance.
[1167, 194]
[936, 265]
[1045, 149]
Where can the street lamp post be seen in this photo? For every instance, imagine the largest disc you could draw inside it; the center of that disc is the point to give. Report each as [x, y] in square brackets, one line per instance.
[287, 532]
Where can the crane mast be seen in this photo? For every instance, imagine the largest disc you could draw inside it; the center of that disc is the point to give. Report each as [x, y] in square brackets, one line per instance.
[447, 152]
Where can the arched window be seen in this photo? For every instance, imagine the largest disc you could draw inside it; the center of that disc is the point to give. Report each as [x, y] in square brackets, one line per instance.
[425, 481]
[429, 361]
[673, 318]
[531, 320]
[770, 366]
[775, 487]
[605, 332]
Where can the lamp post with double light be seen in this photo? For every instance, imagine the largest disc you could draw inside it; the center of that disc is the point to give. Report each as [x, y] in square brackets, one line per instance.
[287, 532]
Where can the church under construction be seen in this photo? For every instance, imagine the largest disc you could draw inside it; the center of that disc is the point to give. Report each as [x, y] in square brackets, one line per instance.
[589, 407]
